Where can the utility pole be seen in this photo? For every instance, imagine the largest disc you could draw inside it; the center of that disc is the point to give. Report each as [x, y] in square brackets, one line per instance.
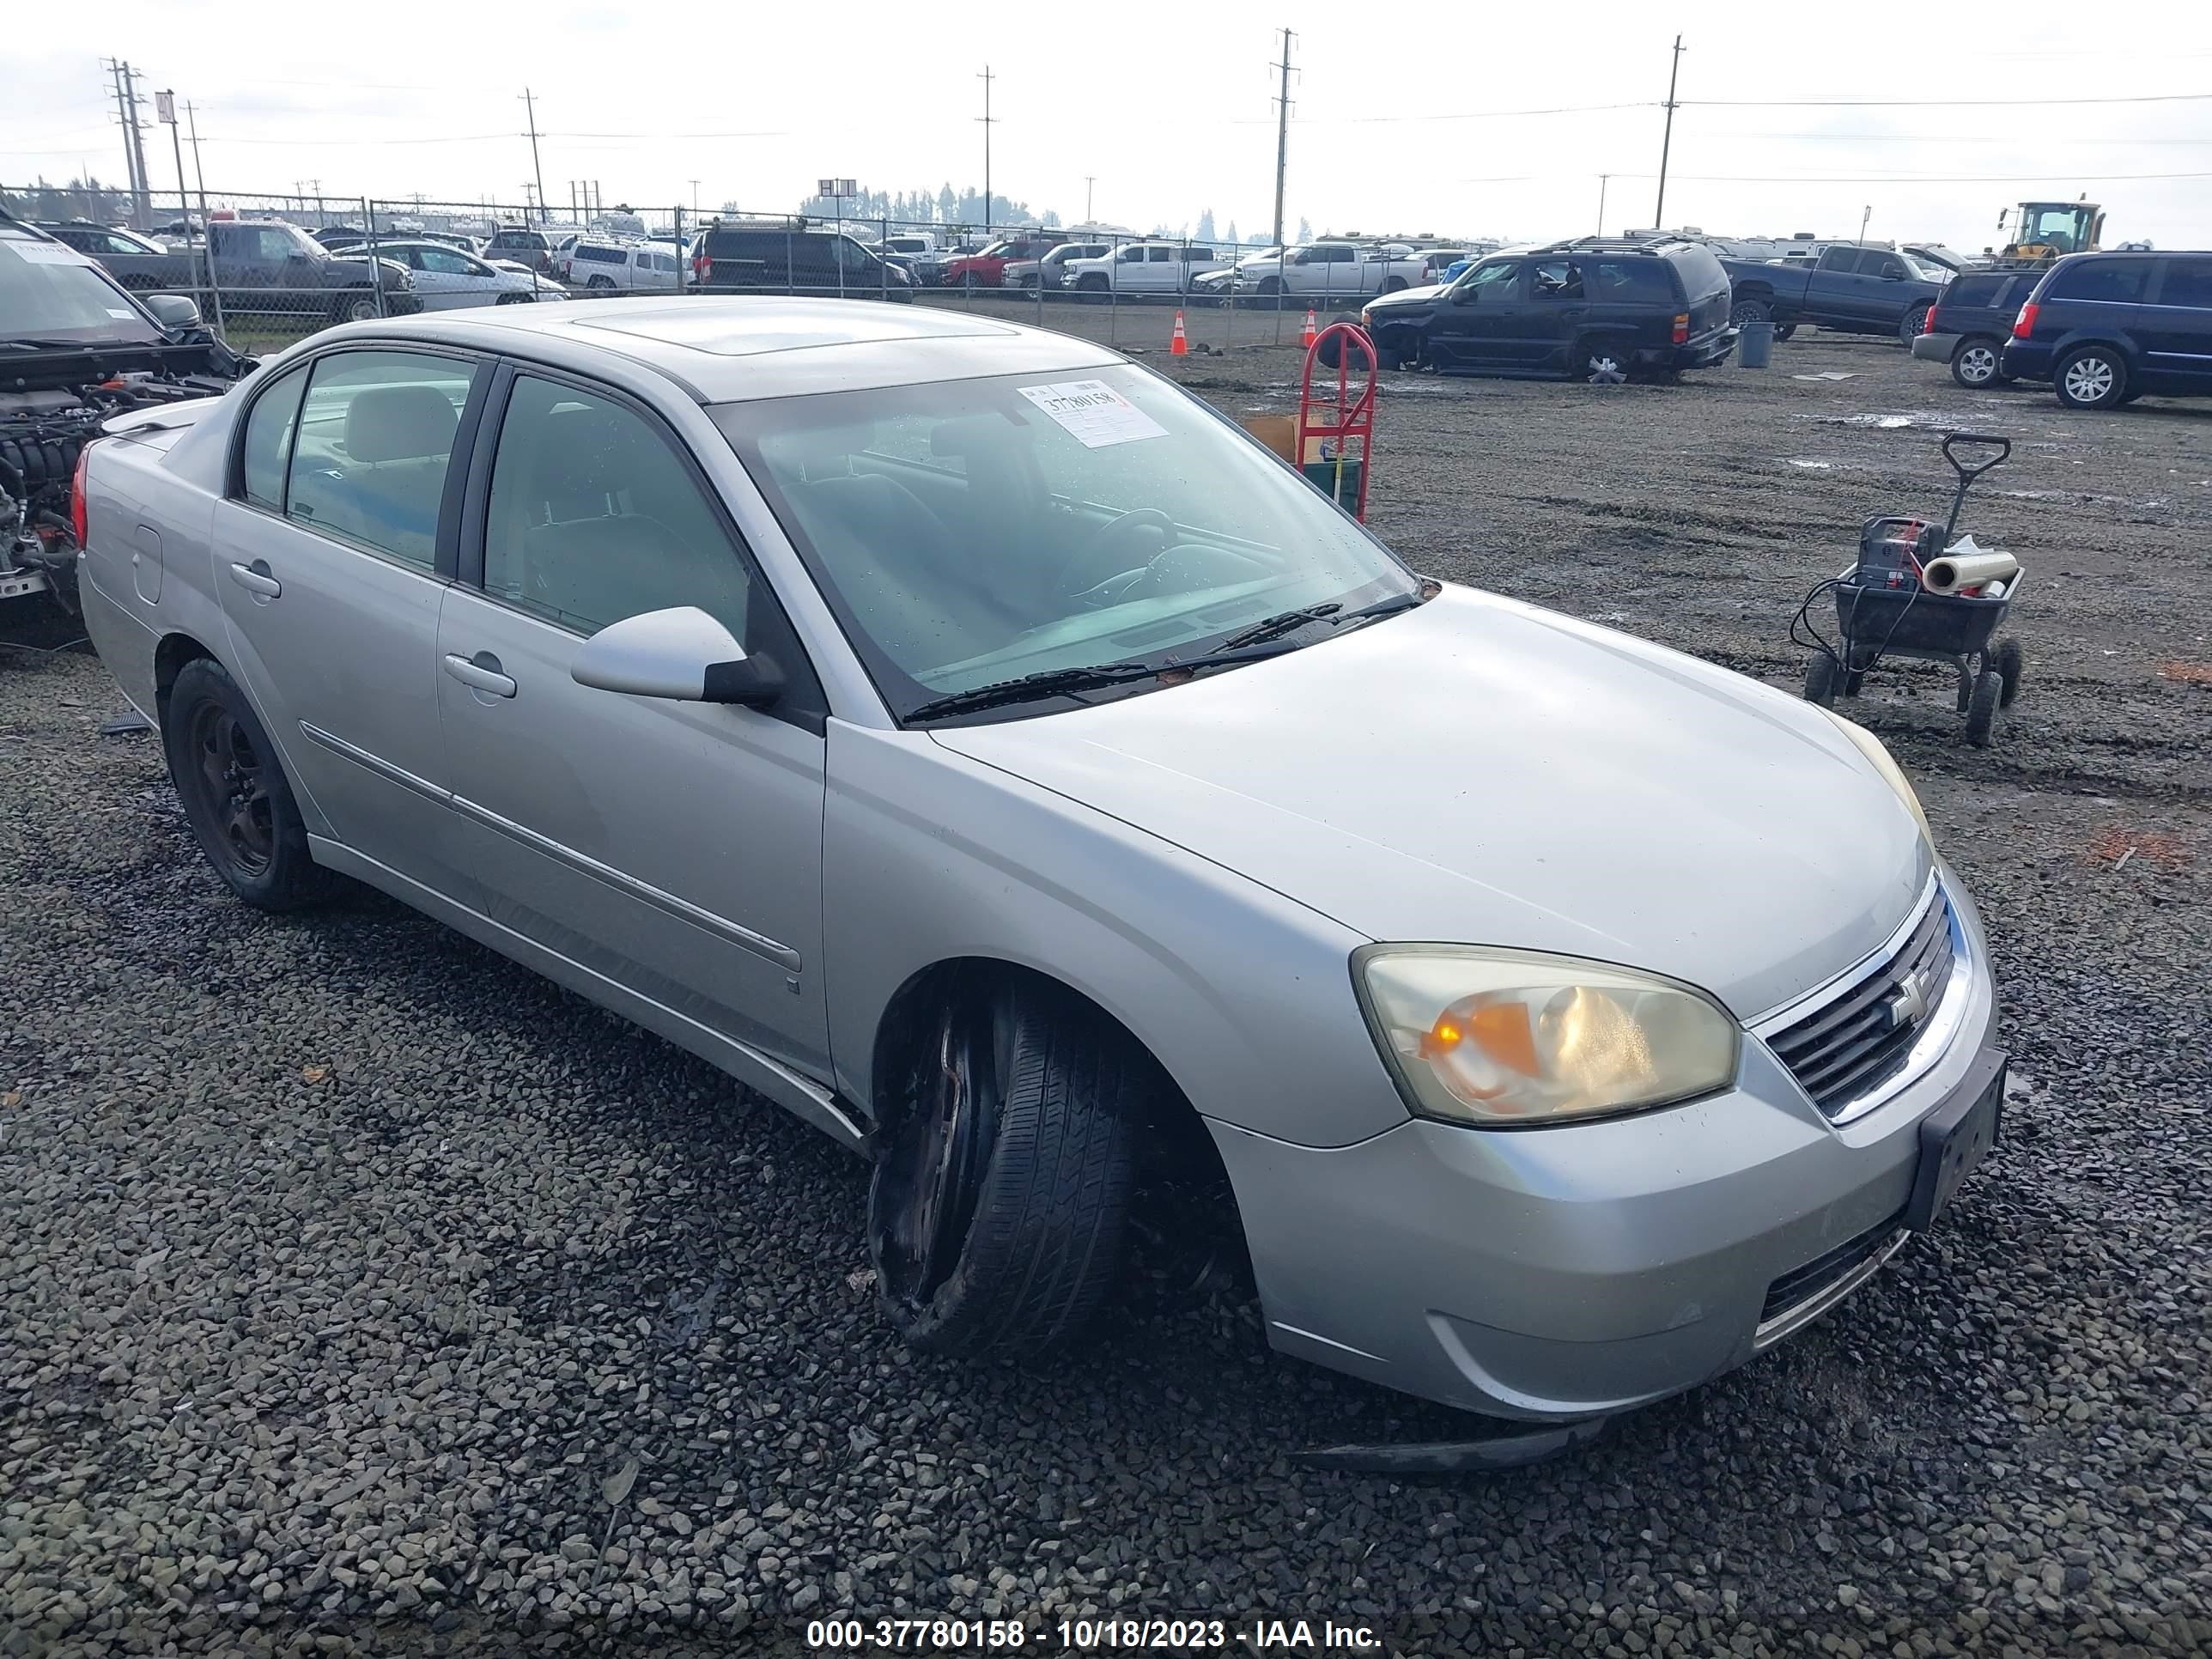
[1282, 134]
[131, 79]
[114, 69]
[1659, 213]
[536, 165]
[1601, 180]
[199, 180]
[1863, 218]
[695, 197]
[986, 78]
[1089, 179]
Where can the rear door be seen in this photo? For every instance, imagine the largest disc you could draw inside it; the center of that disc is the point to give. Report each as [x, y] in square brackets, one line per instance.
[1554, 319]
[2175, 326]
[333, 548]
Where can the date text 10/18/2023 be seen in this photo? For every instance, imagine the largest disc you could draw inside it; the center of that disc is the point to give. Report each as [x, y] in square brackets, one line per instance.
[1288, 1637]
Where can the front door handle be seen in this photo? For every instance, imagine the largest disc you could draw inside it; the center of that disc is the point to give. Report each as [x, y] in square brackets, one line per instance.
[480, 673]
[255, 579]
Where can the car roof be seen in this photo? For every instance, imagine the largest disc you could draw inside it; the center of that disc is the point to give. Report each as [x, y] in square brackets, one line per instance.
[745, 347]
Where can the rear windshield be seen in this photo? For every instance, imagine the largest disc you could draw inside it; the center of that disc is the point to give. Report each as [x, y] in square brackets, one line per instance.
[1975, 291]
[1701, 273]
[2119, 280]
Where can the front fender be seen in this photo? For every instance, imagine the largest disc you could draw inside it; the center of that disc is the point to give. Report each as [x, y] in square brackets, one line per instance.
[1243, 996]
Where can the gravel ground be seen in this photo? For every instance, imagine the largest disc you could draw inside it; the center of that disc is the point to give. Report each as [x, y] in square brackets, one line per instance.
[363, 1294]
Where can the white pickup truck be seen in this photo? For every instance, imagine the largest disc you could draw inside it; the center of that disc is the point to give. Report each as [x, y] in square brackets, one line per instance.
[1334, 270]
[1140, 268]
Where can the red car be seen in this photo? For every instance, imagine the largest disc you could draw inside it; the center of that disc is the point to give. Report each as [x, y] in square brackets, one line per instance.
[988, 268]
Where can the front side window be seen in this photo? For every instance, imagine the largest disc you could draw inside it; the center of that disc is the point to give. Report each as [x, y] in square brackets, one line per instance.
[1492, 281]
[376, 436]
[593, 517]
[968, 532]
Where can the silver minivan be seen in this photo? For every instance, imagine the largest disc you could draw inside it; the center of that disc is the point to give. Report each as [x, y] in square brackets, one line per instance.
[966, 738]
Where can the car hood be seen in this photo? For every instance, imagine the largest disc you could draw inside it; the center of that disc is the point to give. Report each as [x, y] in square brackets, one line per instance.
[1484, 772]
[1406, 297]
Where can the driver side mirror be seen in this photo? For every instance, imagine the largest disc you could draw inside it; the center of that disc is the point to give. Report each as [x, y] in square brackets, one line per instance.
[173, 310]
[1463, 294]
[681, 654]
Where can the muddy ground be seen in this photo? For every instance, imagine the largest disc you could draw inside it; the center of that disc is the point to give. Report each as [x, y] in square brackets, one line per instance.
[348, 1272]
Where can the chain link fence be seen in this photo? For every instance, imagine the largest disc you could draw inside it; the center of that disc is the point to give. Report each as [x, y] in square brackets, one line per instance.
[269, 268]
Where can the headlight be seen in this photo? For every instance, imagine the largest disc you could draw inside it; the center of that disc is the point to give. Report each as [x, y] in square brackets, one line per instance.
[1871, 747]
[1508, 1037]
[1367, 317]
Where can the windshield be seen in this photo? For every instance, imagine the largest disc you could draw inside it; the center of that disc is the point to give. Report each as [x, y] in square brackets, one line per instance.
[973, 531]
[48, 292]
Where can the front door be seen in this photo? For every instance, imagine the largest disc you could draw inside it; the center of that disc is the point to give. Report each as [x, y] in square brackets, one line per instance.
[673, 847]
[1469, 329]
[441, 279]
[333, 550]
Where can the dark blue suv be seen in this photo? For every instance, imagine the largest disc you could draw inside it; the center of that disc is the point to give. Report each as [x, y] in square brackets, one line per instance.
[2104, 329]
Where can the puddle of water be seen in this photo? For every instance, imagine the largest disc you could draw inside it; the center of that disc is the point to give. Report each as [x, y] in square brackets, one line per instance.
[1814, 466]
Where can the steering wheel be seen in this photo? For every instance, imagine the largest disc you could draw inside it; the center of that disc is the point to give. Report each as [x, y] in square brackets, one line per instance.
[1071, 584]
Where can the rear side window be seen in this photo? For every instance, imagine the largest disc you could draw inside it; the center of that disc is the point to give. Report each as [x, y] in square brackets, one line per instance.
[2115, 281]
[376, 435]
[2188, 282]
[268, 446]
[601, 256]
[1631, 282]
[1978, 291]
[1700, 272]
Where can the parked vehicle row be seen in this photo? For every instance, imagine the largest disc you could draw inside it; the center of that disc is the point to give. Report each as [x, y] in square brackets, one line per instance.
[260, 267]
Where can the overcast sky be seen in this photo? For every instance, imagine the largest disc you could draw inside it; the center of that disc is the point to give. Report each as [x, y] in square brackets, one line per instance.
[1405, 118]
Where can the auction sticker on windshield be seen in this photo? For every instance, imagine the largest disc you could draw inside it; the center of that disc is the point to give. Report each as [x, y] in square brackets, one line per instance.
[1093, 413]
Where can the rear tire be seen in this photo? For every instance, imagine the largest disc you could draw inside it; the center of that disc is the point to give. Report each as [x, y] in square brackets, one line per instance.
[601, 283]
[1598, 362]
[1982, 708]
[996, 1212]
[235, 795]
[1974, 364]
[1912, 324]
[1393, 284]
[1784, 330]
[1821, 680]
[1751, 311]
[353, 307]
[2092, 377]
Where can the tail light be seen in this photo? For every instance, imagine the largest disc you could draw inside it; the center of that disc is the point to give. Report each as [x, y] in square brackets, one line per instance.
[77, 514]
[1682, 328]
[1927, 320]
[702, 267]
[2023, 326]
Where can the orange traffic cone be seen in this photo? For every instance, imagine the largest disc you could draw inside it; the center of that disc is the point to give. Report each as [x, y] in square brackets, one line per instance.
[1306, 339]
[1179, 346]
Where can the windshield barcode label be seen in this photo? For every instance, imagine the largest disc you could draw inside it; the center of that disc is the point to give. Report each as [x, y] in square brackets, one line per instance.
[1093, 413]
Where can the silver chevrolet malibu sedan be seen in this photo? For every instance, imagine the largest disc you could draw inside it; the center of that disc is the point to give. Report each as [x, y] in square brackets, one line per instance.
[962, 737]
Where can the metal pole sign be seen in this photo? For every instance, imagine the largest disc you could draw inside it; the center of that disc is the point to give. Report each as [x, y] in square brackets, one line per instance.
[164, 107]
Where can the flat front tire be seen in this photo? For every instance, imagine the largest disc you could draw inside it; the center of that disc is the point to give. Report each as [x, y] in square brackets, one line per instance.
[235, 794]
[996, 1212]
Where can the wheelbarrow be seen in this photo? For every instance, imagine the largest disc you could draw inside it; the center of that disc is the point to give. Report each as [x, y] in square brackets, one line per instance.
[1884, 609]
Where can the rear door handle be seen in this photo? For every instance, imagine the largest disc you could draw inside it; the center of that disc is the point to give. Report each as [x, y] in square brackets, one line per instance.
[256, 580]
[480, 674]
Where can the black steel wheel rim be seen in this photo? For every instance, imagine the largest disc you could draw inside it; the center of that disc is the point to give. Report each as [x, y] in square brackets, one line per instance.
[935, 1165]
[234, 785]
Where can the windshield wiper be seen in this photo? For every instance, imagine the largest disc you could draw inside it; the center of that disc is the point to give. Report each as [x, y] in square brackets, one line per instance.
[1274, 626]
[1061, 682]
[1389, 607]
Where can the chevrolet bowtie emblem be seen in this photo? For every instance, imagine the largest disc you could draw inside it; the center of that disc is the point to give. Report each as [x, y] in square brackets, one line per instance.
[1909, 1004]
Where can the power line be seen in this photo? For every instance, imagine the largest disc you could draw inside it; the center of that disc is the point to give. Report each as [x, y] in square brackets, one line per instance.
[1867, 179]
[1947, 103]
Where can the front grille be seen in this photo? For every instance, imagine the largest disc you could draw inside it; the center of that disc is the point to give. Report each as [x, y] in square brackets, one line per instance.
[1860, 1037]
[1801, 1284]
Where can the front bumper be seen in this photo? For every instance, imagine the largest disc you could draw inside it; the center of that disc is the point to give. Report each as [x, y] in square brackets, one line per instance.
[1934, 347]
[1552, 1274]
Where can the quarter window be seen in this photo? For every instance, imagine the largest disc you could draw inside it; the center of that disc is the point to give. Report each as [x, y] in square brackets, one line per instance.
[269, 427]
[2188, 282]
[593, 517]
[376, 435]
